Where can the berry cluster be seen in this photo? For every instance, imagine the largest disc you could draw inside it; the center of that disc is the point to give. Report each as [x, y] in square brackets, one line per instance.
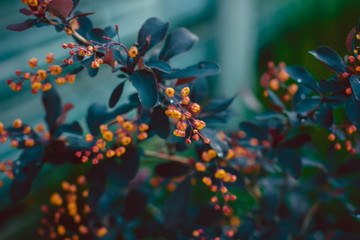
[113, 142]
[184, 112]
[67, 215]
[40, 79]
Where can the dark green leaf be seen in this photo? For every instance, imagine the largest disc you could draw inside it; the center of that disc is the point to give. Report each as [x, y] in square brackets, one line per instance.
[95, 117]
[202, 69]
[308, 104]
[97, 181]
[178, 41]
[97, 34]
[146, 86]
[52, 104]
[87, 65]
[352, 110]
[160, 122]
[220, 146]
[116, 94]
[19, 190]
[302, 76]
[275, 100]
[172, 169]
[121, 174]
[218, 105]
[324, 115]
[175, 211]
[155, 28]
[159, 65]
[290, 161]
[330, 58]
[355, 85]
[253, 131]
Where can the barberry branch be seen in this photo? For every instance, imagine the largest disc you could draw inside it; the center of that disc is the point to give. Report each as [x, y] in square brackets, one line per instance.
[167, 157]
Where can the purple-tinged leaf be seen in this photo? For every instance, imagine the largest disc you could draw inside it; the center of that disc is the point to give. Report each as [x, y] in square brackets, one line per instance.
[178, 41]
[146, 86]
[290, 162]
[220, 146]
[60, 8]
[355, 85]
[26, 12]
[160, 123]
[95, 117]
[350, 40]
[296, 142]
[332, 85]
[18, 27]
[302, 76]
[330, 58]
[79, 15]
[116, 94]
[155, 28]
[172, 169]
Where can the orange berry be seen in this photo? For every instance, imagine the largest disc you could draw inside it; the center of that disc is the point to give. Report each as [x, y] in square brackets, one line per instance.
[50, 58]
[142, 136]
[220, 173]
[89, 137]
[108, 136]
[331, 137]
[56, 199]
[283, 76]
[143, 127]
[33, 62]
[33, 3]
[101, 232]
[185, 91]
[274, 84]
[83, 230]
[337, 146]
[348, 91]
[125, 141]
[207, 181]
[120, 151]
[212, 153]
[133, 52]
[14, 143]
[60, 80]
[55, 70]
[110, 153]
[29, 142]
[170, 92]
[17, 123]
[70, 78]
[195, 107]
[185, 101]
[128, 125]
[46, 87]
[200, 167]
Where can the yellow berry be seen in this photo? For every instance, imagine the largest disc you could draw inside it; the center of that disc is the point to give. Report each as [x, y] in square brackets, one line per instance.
[185, 91]
[133, 52]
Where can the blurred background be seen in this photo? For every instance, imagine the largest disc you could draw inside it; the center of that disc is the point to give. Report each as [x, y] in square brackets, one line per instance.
[240, 35]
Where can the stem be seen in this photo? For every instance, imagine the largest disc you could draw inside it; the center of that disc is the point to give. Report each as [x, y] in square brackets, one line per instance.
[309, 216]
[167, 157]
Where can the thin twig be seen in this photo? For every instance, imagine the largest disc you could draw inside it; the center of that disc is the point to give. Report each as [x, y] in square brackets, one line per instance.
[167, 157]
[309, 216]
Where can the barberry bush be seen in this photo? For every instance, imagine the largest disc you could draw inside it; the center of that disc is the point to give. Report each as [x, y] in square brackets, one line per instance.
[268, 179]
